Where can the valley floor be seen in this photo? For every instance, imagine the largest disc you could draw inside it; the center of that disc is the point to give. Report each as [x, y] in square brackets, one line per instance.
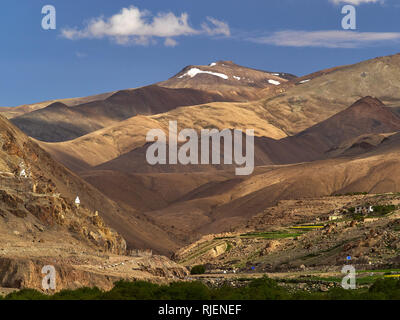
[314, 237]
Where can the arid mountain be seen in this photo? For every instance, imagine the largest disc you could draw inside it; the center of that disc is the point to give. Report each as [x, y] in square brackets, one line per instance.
[227, 201]
[211, 200]
[297, 108]
[71, 118]
[297, 237]
[12, 112]
[367, 116]
[309, 143]
[138, 190]
[109, 143]
[228, 78]
[42, 223]
[222, 206]
[50, 191]
[34, 198]
[320, 95]
[59, 122]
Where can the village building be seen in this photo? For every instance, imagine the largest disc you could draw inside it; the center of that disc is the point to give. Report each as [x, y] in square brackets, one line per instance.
[364, 209]
[334, 215]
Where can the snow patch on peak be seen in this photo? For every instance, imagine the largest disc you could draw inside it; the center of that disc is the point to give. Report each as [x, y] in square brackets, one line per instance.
[213, 64]
[237, 78]
[195, 71]
[274, 82]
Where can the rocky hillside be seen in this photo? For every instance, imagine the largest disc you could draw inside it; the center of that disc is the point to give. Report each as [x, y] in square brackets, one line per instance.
[330, 132]
[30, 197]
[42, 224]
[49, 192]
[296, 236]
[228, 78]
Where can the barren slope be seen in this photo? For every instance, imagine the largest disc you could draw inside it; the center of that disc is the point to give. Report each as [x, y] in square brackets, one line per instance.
[327, 93]
[295, 109]
[367, 116]
[59, 122]
[107, 144]
[52, 178]
[12, 112]
[221, 204]
[228, 78]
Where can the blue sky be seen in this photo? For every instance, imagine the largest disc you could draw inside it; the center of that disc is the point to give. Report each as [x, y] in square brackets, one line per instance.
[90, 53]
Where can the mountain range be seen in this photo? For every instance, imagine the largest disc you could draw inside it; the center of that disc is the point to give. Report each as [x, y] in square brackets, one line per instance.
[333, 131]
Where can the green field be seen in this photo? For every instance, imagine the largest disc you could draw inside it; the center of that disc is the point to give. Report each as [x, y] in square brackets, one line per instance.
[271, 235]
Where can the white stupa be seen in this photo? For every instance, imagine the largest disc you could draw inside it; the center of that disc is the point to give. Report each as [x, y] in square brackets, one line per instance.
[23, 174]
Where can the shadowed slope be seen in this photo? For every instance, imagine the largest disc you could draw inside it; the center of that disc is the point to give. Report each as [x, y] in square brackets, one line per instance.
[59, 122]
[52, 177]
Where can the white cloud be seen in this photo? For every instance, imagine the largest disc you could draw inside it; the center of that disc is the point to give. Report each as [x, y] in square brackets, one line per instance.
[132, 25]
[328, 39]
[218, 27]
[356, 2]
[80, 54]
[169, 42]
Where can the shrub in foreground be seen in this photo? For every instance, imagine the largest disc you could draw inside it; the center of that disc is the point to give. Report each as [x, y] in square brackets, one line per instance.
[198, 270]
[258, 289]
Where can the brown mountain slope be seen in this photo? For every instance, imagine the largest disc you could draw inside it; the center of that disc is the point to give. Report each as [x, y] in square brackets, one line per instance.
[49, 178]
[33, 197]
[255, 80]
[364, 117]
[221, 204]
[225, 205]
[40, 225]
[218, 204]
[139, 190]
[305, 104]
[296, 109]
[12, 112]
[226, 77]
[359, 145]
[59, 122]
[187, 88]
[109, 143]
[376, 172]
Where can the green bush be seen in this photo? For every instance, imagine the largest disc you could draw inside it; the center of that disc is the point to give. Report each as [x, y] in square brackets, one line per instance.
[26, 294]
[383, 209]
[137, 290]
[200, 269]
[257, 289]
[79, 294]
[388, 288]
[187, 291]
